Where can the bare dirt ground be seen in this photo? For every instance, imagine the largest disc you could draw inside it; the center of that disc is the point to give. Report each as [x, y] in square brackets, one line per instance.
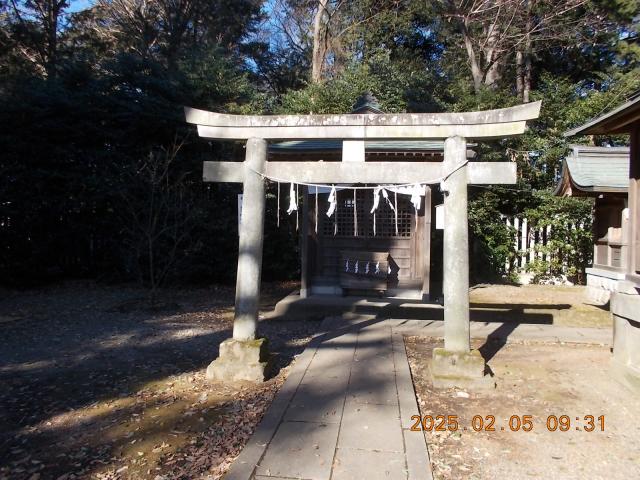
[540, 380]
[97, 385]
[558, 305]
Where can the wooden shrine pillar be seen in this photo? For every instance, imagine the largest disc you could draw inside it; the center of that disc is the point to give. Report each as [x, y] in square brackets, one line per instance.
[426, 246]
[305, 284]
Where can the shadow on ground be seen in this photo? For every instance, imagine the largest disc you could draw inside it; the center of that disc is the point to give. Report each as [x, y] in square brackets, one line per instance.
[97, 374]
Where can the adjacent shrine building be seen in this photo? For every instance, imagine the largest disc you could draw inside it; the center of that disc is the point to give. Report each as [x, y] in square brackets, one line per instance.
[603, 174]
[625, 302]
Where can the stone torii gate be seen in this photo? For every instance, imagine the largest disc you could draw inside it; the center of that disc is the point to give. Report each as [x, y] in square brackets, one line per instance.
[244, 356]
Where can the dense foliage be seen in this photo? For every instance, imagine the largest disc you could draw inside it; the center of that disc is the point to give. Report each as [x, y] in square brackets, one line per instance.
[568, 221]
[100, 177]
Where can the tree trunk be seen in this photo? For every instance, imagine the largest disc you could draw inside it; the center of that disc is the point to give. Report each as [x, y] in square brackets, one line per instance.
[520, 75]
[494, 73]
[493, 62]
[319, 42]
[526, 74]
[476, 71]
[49, 12]
[526, 83]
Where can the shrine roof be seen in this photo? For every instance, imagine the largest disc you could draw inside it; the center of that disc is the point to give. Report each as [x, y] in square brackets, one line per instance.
[594, 170]
[619, 120]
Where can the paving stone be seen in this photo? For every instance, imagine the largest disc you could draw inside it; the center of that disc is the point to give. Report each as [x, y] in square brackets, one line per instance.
[373, 388]
[312, 403]
[301, 450]
[373, 366]
[371, 427]
[338, 362]
[375, 357]
[331, 378]
[381, 352]
[344, 338]
[374, 340]
[370, 465]
[404, 383]
[378, 329]
[330, 357]
[418, 464]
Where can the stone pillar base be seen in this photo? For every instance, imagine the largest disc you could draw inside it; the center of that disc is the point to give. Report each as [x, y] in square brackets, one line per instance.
[625, 307]
[240, 360]
[626, 375]
[459, 369]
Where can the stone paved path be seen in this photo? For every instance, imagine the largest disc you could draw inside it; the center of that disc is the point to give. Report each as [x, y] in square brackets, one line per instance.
[345, 410]
[343, 413]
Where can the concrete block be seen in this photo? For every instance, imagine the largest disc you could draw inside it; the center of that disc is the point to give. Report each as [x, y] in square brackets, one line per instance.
[240, 360]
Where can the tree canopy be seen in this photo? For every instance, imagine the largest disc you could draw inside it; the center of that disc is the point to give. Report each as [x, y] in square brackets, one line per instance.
[101, 177]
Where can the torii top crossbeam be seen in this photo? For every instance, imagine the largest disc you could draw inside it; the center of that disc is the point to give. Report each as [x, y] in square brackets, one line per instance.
[486, 124]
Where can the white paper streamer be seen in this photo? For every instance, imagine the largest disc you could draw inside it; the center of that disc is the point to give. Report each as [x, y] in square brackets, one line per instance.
[376, 199]
[395, 210]
[376, 203]
[333, 202]
[355, 215]
[293, 206]
[316, 210]
[416, 193]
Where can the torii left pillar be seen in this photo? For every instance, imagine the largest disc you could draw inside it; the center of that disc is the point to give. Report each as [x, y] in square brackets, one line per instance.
[244, 357]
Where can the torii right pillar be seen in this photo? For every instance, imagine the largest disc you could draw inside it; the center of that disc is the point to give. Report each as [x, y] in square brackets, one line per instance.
[456, 365]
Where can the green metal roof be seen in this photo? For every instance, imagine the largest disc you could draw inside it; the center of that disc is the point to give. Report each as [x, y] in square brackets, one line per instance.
[596, 169]
[380, 145]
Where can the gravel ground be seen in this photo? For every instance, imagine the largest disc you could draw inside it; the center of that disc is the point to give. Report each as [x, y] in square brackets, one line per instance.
[95, 384]
[540, 380]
